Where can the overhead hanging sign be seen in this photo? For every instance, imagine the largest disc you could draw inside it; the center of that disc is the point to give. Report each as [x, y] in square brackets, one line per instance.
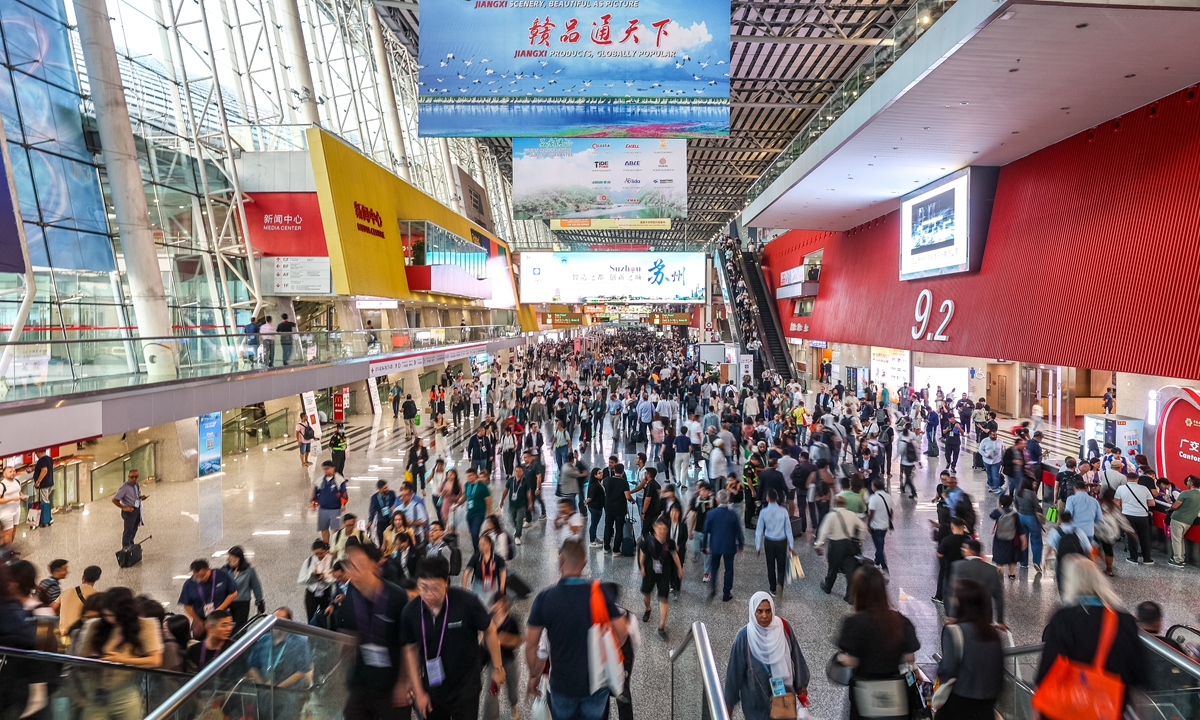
[628, 180]
[208, 455]
[675, 277]
[596, 68]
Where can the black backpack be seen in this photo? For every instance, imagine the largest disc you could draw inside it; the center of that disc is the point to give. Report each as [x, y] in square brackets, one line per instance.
[309, 433]
[1006, 463]
[455, 554]
[910, 452]
[1069, 544]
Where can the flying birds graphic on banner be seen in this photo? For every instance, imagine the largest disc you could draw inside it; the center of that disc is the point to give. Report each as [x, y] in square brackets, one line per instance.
[571, 68]
[638, 183]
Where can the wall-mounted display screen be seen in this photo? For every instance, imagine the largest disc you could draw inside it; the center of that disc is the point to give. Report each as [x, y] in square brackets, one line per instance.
[612, 277]
[944, 225]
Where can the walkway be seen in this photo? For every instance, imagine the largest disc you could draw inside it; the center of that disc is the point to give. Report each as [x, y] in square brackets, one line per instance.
[264, 507]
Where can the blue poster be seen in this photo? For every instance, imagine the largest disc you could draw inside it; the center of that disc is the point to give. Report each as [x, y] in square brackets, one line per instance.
[574, 68]
[208, 450]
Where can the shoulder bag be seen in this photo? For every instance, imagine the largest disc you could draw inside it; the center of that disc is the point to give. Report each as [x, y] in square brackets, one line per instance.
[1081, 691]
[942, 692]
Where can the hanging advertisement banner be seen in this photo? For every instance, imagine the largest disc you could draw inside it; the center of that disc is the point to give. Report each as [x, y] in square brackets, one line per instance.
[491, 68]
[208, 449]
[627, 181]
[577, 277]
[373, 393]
[745, 367]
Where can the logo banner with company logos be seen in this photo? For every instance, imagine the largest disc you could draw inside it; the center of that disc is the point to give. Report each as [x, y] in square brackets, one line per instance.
[600, 184]
[574, 68]
[612, 277]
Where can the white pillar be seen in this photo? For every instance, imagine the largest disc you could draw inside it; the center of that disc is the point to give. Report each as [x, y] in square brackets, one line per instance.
[387, 96]
[125, 180]
[295, 57]
[451, 180]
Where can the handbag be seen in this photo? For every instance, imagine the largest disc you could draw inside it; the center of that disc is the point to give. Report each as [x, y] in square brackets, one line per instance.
[541, 704]
[606, 666]
[838, 673]
[1079, 691]
[855, 542]
[941, 691]
[880, 698]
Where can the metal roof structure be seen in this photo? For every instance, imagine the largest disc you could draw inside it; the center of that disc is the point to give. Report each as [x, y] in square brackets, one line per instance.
[788, 56]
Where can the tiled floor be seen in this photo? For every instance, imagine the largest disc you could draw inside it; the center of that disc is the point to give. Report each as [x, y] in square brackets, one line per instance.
[264, 508]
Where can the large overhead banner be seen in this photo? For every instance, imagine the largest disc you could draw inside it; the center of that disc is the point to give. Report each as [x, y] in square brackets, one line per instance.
[612, 277]
[639, 182]
[596, 68]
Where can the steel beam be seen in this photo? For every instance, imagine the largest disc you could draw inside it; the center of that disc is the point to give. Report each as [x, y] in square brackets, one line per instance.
[768, 39]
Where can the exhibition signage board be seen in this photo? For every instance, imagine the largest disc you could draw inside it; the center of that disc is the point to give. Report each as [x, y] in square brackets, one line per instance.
[675, 277]
[611, 224]
[890, 367]
[595, 68]
[625, 180]
[297, 275]
[558, 319]
[668, 319]
[208, 447]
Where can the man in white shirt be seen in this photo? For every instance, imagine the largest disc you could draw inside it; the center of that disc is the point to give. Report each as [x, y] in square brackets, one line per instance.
[568, 524]
[694, 432]
[879, 520]
[840, 528]
[268, 333]
[991, 450]
[1135, 500]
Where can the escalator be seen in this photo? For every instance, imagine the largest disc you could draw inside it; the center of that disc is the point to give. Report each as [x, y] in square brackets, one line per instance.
[1172, 690]
[274, 668]
[774, 352]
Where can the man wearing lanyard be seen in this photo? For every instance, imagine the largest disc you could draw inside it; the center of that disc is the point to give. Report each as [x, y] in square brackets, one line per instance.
[129, 499]
[441, 645]
[218, 627]
[205, 591]
[372, 609]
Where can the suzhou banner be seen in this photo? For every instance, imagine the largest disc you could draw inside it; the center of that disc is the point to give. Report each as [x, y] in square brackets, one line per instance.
[574, 68]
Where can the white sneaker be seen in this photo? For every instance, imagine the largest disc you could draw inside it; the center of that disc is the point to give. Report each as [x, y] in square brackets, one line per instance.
[518, 540]
[527, 524]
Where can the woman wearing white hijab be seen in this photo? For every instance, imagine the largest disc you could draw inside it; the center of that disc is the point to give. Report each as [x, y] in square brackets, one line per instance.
[765, 664]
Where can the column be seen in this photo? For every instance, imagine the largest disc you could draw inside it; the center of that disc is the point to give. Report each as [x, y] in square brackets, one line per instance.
[387, 97]
[295, 57]
[451, 180]
[125, 180]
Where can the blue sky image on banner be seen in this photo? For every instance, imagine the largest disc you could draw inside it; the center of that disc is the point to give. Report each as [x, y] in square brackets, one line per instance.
[591, 68]
[557, 178]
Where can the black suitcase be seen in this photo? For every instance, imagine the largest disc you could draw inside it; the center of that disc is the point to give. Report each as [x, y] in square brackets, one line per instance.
[518, 586]
[977, 462]
[127, 557]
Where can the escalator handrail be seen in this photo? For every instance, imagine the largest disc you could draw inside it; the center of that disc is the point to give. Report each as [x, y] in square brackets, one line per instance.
[83, 662]
[236, 650]
[1180, 660]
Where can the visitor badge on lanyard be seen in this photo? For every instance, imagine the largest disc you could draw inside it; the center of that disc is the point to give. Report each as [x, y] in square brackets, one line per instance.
[434, 671]
[212, 594]
[376, 655]
[778, 689]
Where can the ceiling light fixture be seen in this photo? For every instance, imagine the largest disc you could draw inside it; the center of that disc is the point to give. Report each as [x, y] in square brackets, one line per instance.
[1131, 75]
[1008, 15]
[964, 102]
[1080, 26]
[1013, 69]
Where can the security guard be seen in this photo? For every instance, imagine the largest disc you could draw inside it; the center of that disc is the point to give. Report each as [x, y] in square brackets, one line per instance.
[337, 444]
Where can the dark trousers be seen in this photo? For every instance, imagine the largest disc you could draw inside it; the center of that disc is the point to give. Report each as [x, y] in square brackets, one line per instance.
[313, 603]
[614, 520]
[241, 614]
[464, 707]
[363, 706]
[287, 352]
[339, 461]
[906, 479]
[132, 520]
[596, 514]
[841, 560]
[952, 458]
[269, 352]
[509, 456]
[1139, 538]
[878, 536]
[418, 475]
[727, 586]
[802, 509]
[776, 562]
[395, 406]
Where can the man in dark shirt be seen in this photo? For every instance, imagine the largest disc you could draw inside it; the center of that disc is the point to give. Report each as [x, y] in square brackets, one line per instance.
[652, 503]
[440, 633]
[379, 687]
[771, 479]
[949, 552]
[43, 481]
[564, 613]
[616, 503]
[218, 627]
[205, 591]
[479, 449]
[285, 329]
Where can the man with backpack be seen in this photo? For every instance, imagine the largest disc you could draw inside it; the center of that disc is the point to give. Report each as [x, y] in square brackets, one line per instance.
[304, 437]
[1066, 539]
[908, 460]
[409, 409]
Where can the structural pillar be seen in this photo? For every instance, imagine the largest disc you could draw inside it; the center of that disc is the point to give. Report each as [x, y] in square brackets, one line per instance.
[128, 192]
[295, 57]
[387, 96]
[451, 180]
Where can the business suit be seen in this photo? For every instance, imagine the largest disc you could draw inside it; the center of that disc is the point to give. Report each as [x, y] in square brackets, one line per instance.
[983, 572]
[725, 539]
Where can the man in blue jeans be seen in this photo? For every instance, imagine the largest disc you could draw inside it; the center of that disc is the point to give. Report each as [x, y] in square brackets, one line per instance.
[564, 613]
[991, 450]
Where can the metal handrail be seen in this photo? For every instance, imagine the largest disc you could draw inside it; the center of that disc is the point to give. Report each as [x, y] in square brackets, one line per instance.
[234, 653]
[714, 693]
[83, 662]
[513, 330]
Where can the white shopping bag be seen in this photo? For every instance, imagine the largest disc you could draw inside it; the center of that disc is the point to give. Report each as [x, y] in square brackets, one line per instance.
[541, 703]
[606, 666]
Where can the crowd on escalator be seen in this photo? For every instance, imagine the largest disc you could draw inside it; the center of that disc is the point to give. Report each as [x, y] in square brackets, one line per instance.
[743, 303]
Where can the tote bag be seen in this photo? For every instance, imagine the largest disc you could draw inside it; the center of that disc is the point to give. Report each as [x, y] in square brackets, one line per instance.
[606, 668]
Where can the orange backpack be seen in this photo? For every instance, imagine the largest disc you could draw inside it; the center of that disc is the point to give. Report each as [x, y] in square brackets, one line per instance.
[1079, 691]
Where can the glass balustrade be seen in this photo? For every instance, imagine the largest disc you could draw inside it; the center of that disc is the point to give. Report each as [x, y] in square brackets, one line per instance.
[57, 367]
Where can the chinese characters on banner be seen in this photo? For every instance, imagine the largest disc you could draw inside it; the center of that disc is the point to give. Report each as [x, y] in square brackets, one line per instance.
[635, 180]
[612, 277]
[569, 68]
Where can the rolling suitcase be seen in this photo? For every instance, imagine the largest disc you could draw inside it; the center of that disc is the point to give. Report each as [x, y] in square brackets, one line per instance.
[127, 557]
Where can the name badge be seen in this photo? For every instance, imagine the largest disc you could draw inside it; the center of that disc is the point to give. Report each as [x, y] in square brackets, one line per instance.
[208, 609]
[376, 655]
[434, 671]
[454, 625]
[657, 565]
[778, 689]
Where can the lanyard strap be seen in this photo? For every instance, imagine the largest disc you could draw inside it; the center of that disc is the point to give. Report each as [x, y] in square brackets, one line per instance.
[445, 616]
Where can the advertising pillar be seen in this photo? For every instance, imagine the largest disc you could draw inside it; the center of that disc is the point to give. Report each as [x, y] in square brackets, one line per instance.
[208, 449]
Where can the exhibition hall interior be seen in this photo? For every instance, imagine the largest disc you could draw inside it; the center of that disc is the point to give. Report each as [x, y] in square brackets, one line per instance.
[668, 359]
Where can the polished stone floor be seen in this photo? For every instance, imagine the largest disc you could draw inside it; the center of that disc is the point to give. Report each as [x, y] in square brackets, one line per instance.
[264, 508]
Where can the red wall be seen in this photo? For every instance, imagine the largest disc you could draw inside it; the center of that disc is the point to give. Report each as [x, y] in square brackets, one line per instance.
[1091, 259]
[286, 224]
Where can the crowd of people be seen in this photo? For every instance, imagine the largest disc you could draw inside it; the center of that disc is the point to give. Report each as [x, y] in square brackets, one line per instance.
[701, 466]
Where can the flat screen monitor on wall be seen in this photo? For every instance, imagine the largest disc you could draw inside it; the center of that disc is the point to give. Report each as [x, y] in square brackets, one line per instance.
[943, 226]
